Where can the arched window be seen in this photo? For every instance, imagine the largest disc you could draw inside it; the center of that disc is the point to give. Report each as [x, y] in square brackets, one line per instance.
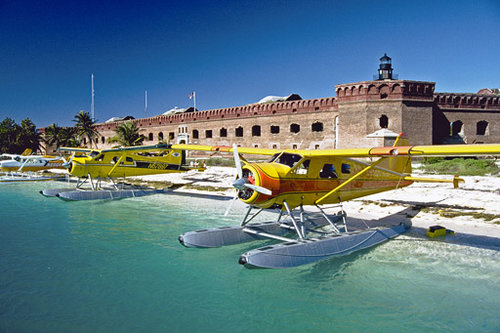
[171, 135]
[238, 132]
[208, 134]
[103, 139]
[481, 127]
[195, 134]
[317, 127]
[295, 128]
[160, 136]
[275, 129]
[383, 121]
[150, 136]
[256, 130]
[223, 132]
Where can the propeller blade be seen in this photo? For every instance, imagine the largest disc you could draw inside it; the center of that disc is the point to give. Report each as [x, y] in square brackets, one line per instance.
[237, 161]
[239, 184]
[231, 204]
[67, 164]
[259, 189]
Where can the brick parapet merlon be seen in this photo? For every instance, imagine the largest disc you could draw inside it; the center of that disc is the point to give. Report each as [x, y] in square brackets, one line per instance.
[467, 101]
[385, 90]
[251, 110]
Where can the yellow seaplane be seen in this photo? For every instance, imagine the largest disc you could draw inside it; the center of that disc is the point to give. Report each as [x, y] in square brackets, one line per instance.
[93, 165]
[293, 179]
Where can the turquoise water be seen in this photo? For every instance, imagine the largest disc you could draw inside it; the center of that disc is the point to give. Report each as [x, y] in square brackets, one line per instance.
[117, 266]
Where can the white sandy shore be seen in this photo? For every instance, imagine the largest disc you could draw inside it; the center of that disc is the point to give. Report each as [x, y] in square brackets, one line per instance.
[472, 209]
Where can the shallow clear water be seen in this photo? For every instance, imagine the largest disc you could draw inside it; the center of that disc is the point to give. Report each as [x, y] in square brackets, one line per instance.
[117, 266]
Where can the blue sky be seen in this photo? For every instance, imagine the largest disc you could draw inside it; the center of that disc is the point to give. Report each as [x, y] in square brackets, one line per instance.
[230, 52]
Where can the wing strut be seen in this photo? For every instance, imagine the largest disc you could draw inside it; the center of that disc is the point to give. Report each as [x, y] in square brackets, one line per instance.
[359, 174]
[22, 165]
[116, 165]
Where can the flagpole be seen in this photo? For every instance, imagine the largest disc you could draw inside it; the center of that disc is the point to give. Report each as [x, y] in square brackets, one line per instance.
[194, 100]
[92, 116]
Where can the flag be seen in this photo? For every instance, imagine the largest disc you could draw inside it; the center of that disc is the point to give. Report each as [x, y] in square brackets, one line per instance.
[192, 95]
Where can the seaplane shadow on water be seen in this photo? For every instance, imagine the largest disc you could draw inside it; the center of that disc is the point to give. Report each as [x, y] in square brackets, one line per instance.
[323, 179]
[92, 166]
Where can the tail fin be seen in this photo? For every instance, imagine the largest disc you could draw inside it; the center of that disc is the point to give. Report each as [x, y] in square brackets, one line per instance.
[27, 152]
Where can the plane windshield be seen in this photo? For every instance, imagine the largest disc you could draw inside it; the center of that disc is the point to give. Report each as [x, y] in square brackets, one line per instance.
[93, 153]
[286, 159]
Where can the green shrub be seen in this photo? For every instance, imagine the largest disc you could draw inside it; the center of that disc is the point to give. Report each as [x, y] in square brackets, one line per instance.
[461, 166]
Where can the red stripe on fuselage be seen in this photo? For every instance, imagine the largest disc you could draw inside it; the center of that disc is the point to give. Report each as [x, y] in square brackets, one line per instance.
[290, 186]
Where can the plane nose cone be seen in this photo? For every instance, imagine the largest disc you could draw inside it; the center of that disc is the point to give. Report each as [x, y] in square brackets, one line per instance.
[239, 184]
[181, 239]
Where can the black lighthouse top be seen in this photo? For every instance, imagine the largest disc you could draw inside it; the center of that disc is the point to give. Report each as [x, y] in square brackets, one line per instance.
[385, 69]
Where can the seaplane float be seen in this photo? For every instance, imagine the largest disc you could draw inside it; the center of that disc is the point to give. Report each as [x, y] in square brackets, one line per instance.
[91, 166]
[322, 179]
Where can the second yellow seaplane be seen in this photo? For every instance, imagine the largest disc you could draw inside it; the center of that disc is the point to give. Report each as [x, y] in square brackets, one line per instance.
[297, 178]
[93, 165]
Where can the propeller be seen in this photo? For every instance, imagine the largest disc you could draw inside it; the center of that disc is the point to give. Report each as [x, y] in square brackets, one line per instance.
[242, 182]
[237, 161]
[67, 164]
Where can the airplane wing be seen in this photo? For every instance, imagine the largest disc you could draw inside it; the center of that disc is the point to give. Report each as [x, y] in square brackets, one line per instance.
[227, 149]
[431, 150]
[435, 150]
[78, 150]
[160, 146]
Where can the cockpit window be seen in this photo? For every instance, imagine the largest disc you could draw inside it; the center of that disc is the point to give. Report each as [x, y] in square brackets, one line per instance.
[328, 171]
[93, 153]
[287, 159]
[100, 157]
[346, 168]
[303, 168]
[274, 157]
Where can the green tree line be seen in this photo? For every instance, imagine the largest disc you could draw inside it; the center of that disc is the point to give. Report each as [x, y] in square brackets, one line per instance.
[15, 138]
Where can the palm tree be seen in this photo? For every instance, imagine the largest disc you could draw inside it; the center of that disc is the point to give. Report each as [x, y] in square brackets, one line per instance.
[53, 135]
[127, 134]
[62, 136]
[28, 136]
[69, 137]
[85, 126]
[8, 136]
